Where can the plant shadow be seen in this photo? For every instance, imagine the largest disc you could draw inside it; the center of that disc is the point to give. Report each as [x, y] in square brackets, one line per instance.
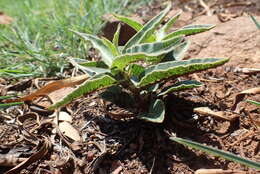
[145, 147]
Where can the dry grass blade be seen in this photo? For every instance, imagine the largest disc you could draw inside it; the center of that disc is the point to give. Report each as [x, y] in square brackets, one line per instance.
[240, 96]
[52, 87]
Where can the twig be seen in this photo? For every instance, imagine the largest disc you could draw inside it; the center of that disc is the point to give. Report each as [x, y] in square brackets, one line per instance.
[206, 7]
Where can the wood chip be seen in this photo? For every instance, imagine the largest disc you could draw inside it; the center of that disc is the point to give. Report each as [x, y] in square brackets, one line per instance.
[4, 19]
[217, 114]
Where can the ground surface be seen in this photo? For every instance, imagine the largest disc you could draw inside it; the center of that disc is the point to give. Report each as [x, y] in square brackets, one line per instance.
[138, 147]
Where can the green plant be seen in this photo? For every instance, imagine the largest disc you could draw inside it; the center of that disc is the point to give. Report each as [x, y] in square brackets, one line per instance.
[143, 65]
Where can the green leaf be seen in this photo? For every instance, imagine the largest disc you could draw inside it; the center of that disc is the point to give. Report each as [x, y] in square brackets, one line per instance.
[90, 67]
[134, 71]
[97, 82]
[134, 24]
[156, 48]
[163, 31]
[217, 152]
[189, 30]
[111, 46]
[106, 52]
[147, 30]
[147, 50]
[253, 102]
[255, 21]
[180, 50]
[97, 64]
[7, 105]
[122, 61]
[116, 36]
[156, 112]
[182, 85]
[174, 69]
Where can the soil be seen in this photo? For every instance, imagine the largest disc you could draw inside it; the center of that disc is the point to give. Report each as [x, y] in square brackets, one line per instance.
[134, 146]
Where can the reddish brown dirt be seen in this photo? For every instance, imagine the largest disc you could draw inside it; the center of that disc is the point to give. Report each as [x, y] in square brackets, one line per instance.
[135, 146]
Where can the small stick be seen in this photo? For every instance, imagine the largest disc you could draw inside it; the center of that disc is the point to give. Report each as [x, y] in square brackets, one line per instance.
[206, 7]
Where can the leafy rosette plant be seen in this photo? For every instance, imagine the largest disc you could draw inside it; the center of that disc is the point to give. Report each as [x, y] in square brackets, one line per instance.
[144, 64]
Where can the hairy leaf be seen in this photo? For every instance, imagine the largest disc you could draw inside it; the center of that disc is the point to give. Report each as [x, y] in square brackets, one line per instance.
[173, 69]
[156, 112]
[156, 48]
[96, 64]
[111, 46]
[122, 61]
[90, 67]
[116, 36]
[147, 29]
[148, 50]
[217, 152]
[106, 53]
[189, 30]
[182, 85]
[134, 24]
[180, 50]
[134, 71]
[163, 31]
[97, 82]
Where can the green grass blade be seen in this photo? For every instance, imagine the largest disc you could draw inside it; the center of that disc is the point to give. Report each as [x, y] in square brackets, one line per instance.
[174, 69]
[163, 31]
[97, 82]
[253, 102]
[189, 30]
[7, 105]
[256, 22]
[182, 85]
[217, 152]
[147, 30]
[134, 24]
[156, 112]
[106, 52]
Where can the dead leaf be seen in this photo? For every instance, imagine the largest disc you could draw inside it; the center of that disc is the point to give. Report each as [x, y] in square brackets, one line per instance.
[44, 146]
[218, 114]
[54, 97]
[64, 116]
[240, 97]
[53, 86]
[68, 130]
[4, 19]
